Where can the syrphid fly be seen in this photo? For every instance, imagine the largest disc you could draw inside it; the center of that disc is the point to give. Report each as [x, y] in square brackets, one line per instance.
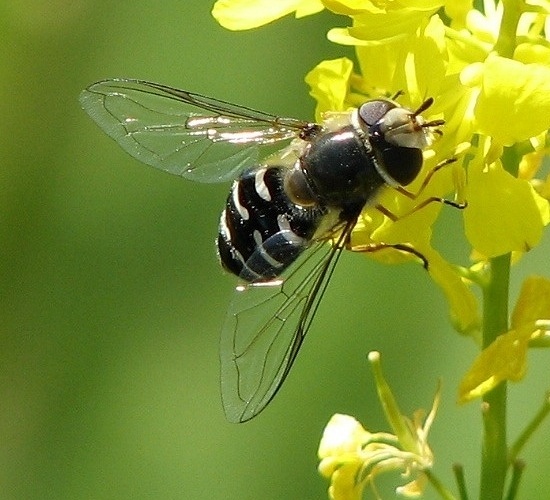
[288, 215]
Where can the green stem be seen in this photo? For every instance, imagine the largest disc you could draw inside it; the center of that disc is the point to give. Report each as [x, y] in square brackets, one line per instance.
[390, 406]
[494, 455]
[460, 481]
[529, 430]
[495, 322]
[517, 471]
[439, 487]
[506, 43]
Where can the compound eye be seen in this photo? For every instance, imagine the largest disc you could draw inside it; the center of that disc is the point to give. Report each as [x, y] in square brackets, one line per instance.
[298, 188]
[402, 164]
[373, 111]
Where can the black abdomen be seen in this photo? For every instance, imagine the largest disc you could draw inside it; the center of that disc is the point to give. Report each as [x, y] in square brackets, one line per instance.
[261, 231]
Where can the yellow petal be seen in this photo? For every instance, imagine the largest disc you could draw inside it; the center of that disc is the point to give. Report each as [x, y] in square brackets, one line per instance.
[412, 224]
[504, 359]
[544, 188]
[339, 449]
[418, 4]
[463, 307]
[533, 302]
[532, 53]
[425, 65]
[504, 213]
[342, 434]
[355, 7]
[308, 7]
[329, 85]
[373, 228]
[248, 14]
[344, 485]
[514, 103]
[462, 302]
[484, 27]
[457, 11]
[414, 489]
[373, 28]
[414, 228]
[530, 164]
[377, 79]
[350, 7]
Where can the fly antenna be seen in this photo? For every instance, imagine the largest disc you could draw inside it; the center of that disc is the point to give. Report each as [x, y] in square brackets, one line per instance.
[397, 95]
[424, 106]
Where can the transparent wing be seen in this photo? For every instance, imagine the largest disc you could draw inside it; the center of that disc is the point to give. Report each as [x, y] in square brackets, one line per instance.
[265, 327]
[183, 133]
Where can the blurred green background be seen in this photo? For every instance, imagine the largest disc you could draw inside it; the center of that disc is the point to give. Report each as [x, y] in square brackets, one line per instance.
[112, 298]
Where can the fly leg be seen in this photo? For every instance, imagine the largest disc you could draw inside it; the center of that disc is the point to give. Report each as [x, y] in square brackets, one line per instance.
[402, 247]
[432, 199]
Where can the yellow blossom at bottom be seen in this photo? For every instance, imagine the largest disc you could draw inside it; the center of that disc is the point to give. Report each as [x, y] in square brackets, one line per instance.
[352, 457]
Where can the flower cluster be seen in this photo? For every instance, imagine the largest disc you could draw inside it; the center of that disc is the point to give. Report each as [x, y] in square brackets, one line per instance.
[488, 71]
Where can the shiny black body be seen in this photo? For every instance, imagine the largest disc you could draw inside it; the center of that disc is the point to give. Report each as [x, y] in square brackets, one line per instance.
[341, 170]
[261, 235]
[240, 237]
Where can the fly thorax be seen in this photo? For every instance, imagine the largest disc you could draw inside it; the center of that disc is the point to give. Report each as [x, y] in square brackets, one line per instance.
[340, 169]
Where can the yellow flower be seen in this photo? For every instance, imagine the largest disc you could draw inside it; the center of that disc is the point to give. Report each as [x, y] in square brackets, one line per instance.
[504, 213]
[457, 11]
[512, 110]
[248, 14]
[379, 21]
[506, 357]
[353, 457]
[330, 83]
